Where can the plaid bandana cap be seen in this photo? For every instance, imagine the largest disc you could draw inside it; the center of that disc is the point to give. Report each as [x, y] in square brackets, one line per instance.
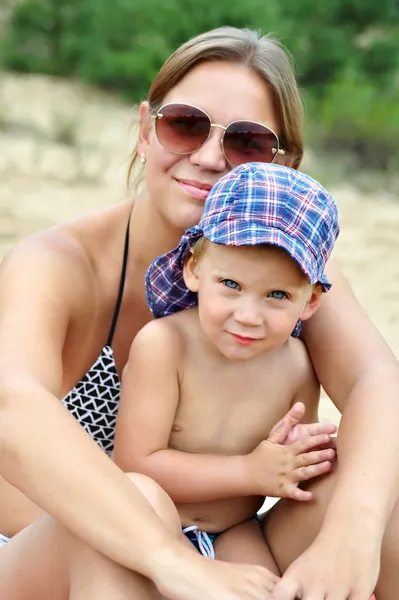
[255, 203]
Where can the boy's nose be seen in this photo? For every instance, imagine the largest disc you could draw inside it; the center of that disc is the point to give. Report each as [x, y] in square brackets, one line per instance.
[249, 314]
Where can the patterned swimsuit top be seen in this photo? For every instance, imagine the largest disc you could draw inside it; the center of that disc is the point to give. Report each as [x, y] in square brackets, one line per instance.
[94, 400]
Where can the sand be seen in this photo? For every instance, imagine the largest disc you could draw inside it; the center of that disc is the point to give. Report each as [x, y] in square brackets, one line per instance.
[64, 151]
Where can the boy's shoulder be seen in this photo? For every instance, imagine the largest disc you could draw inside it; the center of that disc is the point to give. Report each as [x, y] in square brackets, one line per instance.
[294, 359]
[169, 332]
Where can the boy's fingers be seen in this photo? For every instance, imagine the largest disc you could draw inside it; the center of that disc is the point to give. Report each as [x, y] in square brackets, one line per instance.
[331, 444]
[317, 428]
[311, 442]
[315, 457]
[305, 473]
[281, 430]
[295, 493]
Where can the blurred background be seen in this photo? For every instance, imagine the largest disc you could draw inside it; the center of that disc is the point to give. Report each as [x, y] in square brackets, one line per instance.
[72, 71]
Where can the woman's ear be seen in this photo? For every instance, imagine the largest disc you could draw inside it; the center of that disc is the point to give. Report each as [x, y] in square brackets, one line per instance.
[144, 128]
[190, 273]
[313, 303]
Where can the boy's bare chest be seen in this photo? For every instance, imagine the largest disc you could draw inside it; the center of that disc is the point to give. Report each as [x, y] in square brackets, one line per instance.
[229, 411]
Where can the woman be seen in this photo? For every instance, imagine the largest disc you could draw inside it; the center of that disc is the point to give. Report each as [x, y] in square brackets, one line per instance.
[61, 312]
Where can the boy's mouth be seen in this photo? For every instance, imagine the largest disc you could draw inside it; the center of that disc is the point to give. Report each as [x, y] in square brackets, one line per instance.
[244, 340]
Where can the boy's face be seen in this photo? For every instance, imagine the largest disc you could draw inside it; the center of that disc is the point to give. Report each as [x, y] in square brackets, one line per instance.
[250, 298]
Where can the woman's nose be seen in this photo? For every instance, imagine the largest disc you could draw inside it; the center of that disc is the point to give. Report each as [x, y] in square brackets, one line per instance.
[211, 156]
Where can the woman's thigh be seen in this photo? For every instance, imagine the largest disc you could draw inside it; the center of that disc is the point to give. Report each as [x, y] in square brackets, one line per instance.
[290, 527]
[34, 564]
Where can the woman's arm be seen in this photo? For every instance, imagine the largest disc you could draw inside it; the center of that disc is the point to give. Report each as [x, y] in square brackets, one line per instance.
[43, 451]
[361, 375]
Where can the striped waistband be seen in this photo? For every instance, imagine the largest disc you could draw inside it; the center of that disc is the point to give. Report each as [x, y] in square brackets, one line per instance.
[3, 540]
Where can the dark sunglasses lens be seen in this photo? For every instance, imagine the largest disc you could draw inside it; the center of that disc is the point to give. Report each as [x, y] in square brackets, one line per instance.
[182, 128]
[245, 141]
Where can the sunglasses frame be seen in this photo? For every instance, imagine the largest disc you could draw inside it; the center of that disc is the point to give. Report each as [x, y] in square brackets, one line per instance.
[158, 115]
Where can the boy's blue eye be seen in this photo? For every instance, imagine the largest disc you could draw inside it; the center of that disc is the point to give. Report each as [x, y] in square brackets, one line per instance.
[277, 295]
[229, 283]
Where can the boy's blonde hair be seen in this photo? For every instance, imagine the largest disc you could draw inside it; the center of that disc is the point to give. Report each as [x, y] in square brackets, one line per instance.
[264, 54]
[199, 248]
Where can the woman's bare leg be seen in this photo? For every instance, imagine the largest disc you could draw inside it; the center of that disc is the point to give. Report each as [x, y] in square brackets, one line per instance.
[36, 565]
[290, 527]
[245, 543]
[96, 577]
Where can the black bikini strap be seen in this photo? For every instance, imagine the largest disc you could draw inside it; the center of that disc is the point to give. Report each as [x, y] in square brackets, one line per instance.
[121, 287]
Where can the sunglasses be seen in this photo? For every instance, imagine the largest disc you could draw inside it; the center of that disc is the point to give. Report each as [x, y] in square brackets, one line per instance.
[183, 129]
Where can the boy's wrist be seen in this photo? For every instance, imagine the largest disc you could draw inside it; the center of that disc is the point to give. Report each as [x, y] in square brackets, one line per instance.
[256, 483]
[248, 474]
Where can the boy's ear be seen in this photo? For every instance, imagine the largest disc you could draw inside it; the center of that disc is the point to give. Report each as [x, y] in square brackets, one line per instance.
[144, 127]
[313, 303]
[190, 273]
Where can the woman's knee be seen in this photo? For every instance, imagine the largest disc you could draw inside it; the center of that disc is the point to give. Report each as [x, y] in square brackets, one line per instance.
[159, 500]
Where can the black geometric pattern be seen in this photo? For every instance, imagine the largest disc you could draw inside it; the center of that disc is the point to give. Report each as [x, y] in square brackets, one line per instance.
[94, 401]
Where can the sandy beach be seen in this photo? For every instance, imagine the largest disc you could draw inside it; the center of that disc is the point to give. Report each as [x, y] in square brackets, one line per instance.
[64, 151]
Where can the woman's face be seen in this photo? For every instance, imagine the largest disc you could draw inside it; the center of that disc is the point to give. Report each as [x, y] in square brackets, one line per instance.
[178, 184]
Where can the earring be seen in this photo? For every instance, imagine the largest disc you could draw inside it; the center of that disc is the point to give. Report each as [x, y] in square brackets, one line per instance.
[143, 158]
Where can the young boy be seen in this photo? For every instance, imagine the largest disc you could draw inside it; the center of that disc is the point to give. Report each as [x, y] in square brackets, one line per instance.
[204, 387]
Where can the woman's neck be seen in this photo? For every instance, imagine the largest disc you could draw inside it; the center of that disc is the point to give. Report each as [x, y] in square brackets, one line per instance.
[150, 234]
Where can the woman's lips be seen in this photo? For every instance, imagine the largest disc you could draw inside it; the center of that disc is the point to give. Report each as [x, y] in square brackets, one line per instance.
[196, 189]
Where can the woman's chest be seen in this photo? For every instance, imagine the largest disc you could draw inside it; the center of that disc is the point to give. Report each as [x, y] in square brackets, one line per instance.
[102, 326]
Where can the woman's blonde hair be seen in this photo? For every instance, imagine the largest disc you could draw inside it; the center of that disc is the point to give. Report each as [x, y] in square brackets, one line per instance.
[264, 54]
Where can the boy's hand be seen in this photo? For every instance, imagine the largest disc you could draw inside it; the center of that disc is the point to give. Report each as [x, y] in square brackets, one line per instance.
[288, 430]
[291, 454]
[276, 470]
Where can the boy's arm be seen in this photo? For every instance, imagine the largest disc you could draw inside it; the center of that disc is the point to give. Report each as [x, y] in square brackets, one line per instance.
[149, 400]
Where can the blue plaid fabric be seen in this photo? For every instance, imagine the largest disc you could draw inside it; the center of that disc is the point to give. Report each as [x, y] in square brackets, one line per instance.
[255, 203]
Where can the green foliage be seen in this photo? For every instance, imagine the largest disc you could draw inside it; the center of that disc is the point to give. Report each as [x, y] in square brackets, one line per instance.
[346, 52]
[358, 117]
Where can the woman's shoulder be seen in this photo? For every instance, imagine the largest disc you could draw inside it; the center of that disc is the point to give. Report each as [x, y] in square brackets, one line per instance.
[44, 262]
[71, 248]
[61, 263]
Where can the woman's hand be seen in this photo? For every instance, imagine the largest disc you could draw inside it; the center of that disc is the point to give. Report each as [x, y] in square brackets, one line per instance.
[342, 567]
